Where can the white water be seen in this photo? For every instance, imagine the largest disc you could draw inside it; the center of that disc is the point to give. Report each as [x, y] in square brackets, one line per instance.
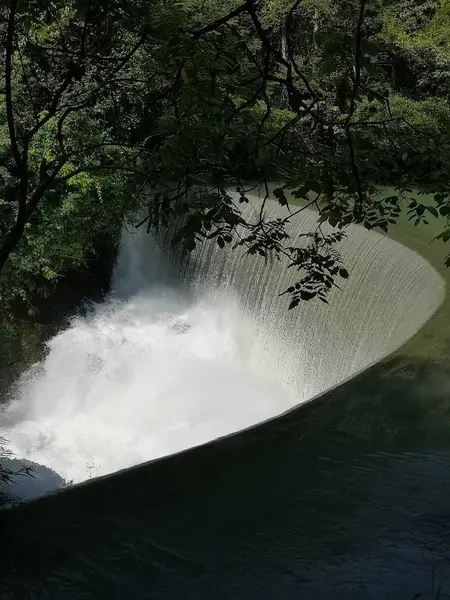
[157, 369]
[146, 374]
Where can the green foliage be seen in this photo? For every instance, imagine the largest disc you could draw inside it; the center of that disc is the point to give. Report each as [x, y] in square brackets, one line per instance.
[119, 107]
[113, 108]
[420, 26]
[9, 475]
[72, 122]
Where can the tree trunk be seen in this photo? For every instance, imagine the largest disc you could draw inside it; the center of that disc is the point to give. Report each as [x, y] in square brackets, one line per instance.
[11, 241]
[285, 54]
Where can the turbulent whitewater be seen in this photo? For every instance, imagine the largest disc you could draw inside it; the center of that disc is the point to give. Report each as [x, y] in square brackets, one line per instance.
[183, 353]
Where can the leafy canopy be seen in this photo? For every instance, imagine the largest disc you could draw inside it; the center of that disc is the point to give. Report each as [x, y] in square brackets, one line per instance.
[113, 107]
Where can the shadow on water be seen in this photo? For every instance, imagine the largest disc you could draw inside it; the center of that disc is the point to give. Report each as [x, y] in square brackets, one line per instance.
[346, 497]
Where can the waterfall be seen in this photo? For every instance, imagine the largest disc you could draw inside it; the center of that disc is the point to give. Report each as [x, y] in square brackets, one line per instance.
[184, 352]
[391, 293]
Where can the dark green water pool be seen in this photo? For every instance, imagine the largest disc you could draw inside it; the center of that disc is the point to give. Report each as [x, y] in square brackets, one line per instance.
[346, 497]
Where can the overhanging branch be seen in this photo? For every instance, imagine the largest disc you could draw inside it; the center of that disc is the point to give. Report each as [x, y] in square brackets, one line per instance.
[8, 85]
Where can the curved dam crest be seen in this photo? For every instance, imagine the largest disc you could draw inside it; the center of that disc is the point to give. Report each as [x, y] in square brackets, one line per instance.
[159, 368]
[391, 293]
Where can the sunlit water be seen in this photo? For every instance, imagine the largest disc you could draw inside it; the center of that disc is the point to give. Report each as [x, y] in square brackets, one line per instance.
[160, 366]
[138, 379]
[342, 499]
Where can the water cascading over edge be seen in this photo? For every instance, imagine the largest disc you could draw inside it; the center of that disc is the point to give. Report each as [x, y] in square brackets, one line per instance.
[159, 368]
[391, 293]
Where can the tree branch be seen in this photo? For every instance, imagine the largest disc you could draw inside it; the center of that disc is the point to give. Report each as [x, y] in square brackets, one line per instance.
[27, 83]
[352, 108]
[295, 100]
[54, 105]
[353, 164]
[83, 35]
[291, 53]
[219, 22]
[8, 84]
[358, 41]
[108, 79]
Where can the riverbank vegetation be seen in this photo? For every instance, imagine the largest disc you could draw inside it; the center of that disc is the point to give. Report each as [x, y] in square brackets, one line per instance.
[104, 102]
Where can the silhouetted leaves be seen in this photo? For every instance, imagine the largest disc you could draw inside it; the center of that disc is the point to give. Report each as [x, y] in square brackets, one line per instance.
[189, 104]
[319, 264]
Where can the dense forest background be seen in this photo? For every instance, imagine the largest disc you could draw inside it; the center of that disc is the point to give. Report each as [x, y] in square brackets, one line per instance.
[114, 108]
